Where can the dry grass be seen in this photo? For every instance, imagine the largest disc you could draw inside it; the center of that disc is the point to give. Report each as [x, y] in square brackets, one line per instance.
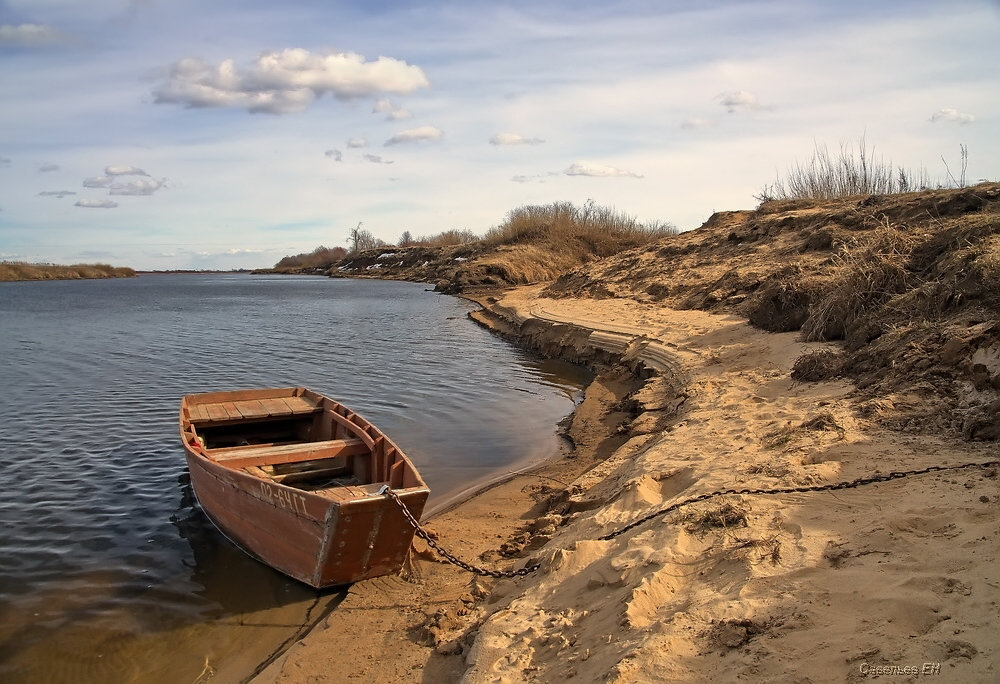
[448, 238]
[318, 258]
[723, 516]
[864, 274]
[527, 263]
[18, 270]
[852, 172]
[600, 231]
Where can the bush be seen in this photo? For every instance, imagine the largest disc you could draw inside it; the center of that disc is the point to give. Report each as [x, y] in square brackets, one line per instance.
[448, 238]
[602, 231]
[321, 256]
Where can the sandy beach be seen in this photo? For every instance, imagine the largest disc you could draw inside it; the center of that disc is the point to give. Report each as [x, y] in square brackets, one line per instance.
[816, 586]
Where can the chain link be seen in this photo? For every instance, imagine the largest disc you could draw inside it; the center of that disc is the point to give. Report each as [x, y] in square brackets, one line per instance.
[850, 484]
[527, 570]
[451, 558]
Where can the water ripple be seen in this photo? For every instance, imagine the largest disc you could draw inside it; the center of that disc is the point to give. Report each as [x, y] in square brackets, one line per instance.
[102, 530]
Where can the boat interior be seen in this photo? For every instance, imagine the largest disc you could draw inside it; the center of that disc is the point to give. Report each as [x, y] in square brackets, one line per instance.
[304, 441]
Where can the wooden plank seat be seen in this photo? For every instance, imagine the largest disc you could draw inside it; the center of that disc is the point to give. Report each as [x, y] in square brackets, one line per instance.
[333, 475]
[242, 457]
[251, 409]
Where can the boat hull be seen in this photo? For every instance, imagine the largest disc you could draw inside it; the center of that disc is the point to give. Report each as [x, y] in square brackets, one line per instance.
[323, 538]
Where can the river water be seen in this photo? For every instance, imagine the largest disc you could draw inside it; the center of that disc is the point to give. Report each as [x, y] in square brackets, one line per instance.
[109, 572]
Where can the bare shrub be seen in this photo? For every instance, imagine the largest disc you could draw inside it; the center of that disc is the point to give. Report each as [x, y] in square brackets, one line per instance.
[361, 239]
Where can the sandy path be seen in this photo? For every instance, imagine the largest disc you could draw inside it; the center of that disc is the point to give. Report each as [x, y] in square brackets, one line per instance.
[800, 587]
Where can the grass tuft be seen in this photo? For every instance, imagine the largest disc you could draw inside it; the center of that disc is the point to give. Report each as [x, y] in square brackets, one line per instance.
[852, 172]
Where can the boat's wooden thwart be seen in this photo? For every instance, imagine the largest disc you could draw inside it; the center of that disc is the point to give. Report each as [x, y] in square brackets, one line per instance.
[294, 479]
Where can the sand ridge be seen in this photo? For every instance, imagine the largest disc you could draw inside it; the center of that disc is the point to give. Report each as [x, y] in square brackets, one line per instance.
[800, 587]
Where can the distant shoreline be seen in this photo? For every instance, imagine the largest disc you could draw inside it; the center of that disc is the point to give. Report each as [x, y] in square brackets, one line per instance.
[16, 271]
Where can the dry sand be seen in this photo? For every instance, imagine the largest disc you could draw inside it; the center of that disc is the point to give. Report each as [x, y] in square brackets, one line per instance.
[822, 586]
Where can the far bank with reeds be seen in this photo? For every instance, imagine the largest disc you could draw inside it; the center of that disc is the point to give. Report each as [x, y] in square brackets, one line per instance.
[533, 244]
[19, 270]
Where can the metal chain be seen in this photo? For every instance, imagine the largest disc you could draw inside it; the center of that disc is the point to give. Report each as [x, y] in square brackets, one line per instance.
[527, 570]
[451, 558]
[850, 484]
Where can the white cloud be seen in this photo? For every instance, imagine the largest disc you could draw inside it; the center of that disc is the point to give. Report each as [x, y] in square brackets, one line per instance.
[97, 182]
[418, 134]
[139, 186]
[376, 159]
[287, 81]
[123, 171]
[334, 154]
[696, 122]
[56, 193]
[392, 111]
[514, 139]
[738, 101]
[27, 35]
[48, 168]
[356, 143]
[596, 170]
[96, 204]
[536, 178]
[952, 114]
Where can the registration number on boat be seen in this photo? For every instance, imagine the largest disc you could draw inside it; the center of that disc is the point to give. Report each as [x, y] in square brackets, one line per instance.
[284, 498]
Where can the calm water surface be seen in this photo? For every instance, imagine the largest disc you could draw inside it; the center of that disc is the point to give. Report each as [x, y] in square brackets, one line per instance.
[108, 570]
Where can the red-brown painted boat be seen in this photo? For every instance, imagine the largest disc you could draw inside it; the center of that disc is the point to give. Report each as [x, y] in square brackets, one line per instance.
[294, 478]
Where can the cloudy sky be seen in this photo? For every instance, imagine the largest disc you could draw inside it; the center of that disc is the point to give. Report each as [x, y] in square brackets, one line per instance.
[176, 134]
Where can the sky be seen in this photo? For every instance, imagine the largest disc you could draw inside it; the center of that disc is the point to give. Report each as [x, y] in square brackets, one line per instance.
[174, 134]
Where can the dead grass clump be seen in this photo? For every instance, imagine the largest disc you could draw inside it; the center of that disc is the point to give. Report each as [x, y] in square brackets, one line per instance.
[818, 365]
[781, 304]
[865, 274]
[734, 633]
[823, 421]
[723, 516]
[768, 470]
[757, 550]
[779, 438]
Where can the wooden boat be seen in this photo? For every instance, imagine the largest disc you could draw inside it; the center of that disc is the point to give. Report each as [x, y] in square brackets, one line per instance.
[296, 480]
